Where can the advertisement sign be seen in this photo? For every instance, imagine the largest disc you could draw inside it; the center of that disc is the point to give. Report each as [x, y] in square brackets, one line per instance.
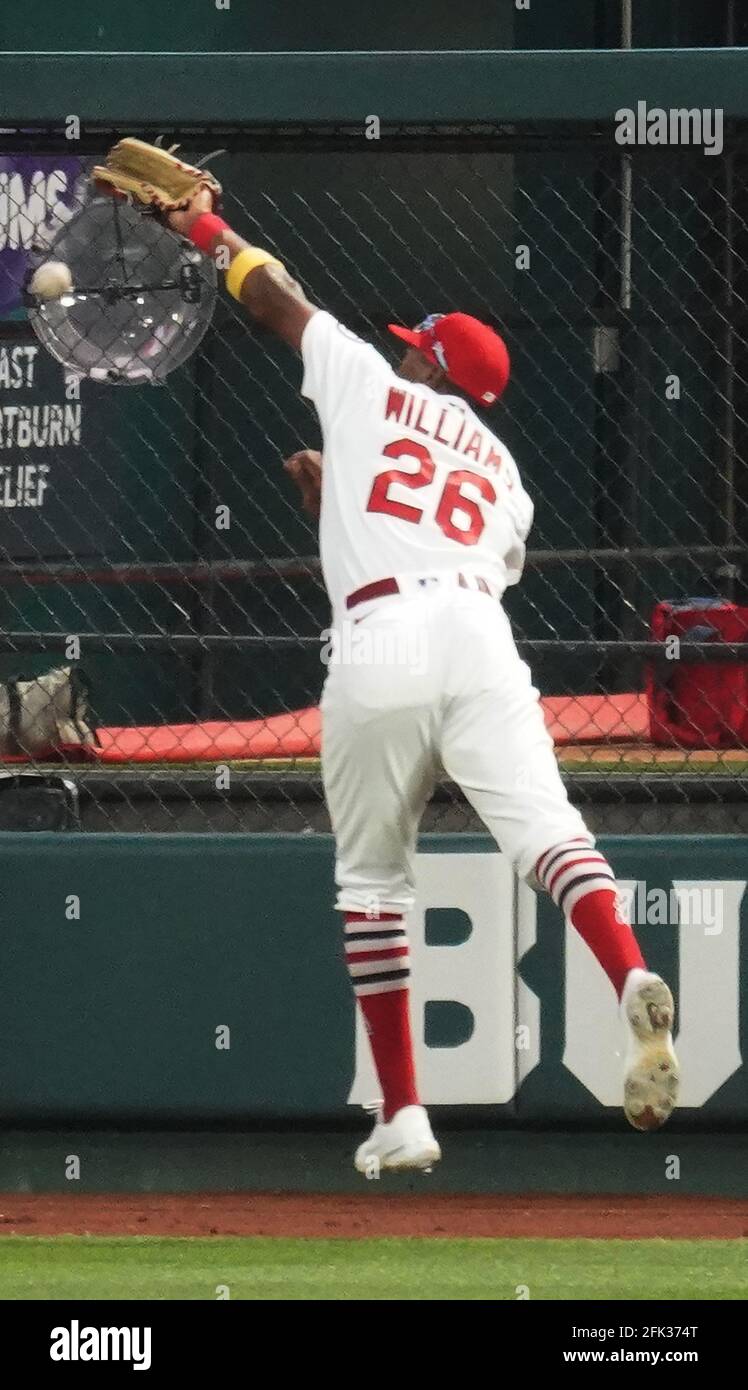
[38, 194]
[46, 473]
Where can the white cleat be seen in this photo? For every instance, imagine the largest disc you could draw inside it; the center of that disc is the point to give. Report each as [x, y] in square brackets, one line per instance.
[406, 1141]
[652, 1075]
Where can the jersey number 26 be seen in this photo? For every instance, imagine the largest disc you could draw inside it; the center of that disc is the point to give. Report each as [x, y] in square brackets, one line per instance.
[452, 499]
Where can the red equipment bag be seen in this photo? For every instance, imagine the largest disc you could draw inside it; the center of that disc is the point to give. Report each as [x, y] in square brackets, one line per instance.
[699, 704]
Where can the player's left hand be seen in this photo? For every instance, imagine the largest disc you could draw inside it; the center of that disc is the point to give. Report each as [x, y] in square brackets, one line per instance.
[156, 181]
[305, 467]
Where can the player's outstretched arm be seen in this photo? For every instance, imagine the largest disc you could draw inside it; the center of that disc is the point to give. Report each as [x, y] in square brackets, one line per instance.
[260, 282]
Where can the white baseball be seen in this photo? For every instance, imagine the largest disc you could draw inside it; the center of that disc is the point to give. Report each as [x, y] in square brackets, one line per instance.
[51, 280]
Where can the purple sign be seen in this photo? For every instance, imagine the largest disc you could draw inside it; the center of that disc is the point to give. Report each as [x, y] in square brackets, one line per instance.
[38, 195]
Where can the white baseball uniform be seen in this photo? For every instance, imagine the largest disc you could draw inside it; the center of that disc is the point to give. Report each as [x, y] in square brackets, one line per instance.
[416, 489]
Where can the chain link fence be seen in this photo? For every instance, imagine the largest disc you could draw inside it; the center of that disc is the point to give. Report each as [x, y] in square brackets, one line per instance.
[153, 544]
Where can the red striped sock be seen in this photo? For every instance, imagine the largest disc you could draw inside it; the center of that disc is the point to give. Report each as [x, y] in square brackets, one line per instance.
[378, 962]
[581, 883]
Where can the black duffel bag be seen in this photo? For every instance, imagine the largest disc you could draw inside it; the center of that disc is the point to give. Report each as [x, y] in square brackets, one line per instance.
[38, 801]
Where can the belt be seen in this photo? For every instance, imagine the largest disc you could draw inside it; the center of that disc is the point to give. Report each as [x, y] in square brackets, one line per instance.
[382, 588]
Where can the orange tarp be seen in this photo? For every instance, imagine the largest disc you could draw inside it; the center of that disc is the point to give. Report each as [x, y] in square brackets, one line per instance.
[570, 719]
[278, 736]
[596, 718]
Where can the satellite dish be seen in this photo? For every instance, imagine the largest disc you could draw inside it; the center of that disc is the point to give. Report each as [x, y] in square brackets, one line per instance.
[142, 297]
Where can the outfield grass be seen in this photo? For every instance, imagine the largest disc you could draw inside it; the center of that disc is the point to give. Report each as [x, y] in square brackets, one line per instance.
[87, 1267]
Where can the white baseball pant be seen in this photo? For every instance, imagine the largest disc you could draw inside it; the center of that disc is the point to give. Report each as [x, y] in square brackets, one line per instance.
[423, 679]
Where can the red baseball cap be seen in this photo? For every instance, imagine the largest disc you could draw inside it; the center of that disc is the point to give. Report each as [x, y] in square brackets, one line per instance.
[473, 356]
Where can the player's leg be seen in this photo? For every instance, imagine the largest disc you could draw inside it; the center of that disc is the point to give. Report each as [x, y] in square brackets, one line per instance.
[378, 767]
[496, 747]
[582, 885]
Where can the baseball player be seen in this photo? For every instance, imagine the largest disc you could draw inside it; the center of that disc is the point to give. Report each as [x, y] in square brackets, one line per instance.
[423, 524]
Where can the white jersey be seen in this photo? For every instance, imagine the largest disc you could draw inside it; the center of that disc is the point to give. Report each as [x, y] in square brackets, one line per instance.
[413, 482]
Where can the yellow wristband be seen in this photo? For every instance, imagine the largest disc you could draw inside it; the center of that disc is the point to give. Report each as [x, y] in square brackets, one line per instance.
[240, 267]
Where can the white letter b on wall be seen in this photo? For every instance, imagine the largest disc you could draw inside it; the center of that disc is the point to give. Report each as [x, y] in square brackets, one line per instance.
[478, 973]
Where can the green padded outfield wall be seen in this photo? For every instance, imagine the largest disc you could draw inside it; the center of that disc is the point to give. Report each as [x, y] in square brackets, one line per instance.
[177, 979]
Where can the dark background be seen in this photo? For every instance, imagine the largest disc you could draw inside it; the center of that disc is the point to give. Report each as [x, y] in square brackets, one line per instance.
[399, 231]
[264, 25]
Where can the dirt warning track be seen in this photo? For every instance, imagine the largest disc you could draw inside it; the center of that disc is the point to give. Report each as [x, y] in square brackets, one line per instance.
[372, 1214]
